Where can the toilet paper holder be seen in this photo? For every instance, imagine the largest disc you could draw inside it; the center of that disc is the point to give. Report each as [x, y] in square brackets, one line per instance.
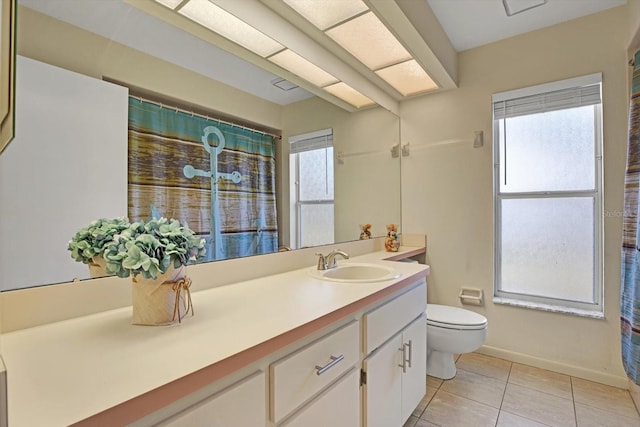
[472, 296]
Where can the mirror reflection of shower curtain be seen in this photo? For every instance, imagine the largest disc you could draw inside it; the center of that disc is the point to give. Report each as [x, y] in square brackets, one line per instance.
[630, 287]
[163, 140]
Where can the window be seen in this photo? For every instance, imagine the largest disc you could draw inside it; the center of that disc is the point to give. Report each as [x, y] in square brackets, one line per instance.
[548, 196]
[311, 186]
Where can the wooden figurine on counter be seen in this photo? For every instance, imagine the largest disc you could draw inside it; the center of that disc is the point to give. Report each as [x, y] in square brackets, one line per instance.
[365, 232]
[391, 243]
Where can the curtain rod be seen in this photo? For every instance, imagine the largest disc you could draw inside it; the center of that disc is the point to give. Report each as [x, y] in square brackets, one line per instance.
[204, 116]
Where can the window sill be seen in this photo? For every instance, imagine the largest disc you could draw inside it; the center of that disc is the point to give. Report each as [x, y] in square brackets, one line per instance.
[593, 314]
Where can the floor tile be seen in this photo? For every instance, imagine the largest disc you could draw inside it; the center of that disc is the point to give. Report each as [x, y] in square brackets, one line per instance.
[425, 423]
[485, 365]
[538, 406]
[476, 387]
[411, 422]
[541, 380]
[423, 404]
[506, 419]
[588, 416]
[604, 397]
[447, 409]
[434, 382]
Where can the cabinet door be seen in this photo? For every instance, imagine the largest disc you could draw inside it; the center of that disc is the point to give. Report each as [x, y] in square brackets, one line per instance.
[241, 405]
[414, 338]
[339, 406]
[383, 389]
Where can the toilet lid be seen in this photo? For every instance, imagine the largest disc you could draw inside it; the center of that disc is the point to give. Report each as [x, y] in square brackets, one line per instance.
[454, 317]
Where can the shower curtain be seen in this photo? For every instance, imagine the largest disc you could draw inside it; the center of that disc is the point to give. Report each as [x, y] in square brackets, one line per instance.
[630, 292]
[163, 140]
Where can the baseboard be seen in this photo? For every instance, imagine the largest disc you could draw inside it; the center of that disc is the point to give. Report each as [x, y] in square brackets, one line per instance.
[551, 365]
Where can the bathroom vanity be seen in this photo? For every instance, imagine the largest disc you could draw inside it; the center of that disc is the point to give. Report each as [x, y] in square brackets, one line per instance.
[288, 349]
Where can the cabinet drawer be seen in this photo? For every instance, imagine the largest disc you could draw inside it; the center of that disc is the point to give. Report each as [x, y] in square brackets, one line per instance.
[338, 406]
[383, 322]
[240, 405]
[298, 377]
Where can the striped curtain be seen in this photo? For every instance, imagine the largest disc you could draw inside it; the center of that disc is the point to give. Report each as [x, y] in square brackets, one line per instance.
[630, 292]
[162, 141]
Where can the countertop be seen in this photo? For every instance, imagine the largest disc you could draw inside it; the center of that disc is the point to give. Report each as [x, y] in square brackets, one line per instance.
[65, 372]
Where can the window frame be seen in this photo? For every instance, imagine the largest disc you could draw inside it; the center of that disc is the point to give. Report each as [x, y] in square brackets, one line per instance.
[307, 142]
[595, 309]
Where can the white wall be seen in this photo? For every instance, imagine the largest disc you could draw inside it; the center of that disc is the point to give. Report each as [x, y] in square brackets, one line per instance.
[447, 187]
[66, 167]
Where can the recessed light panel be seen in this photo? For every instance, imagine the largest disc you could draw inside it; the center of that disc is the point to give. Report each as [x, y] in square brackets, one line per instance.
[408, 78]
[171, 4]
[349, 94]
[513, 7]
[366, 38]
[299, 66]
[220, 21]
[327, 13]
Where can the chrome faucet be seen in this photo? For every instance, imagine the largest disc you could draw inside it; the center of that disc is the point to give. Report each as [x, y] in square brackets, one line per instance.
[329, 261]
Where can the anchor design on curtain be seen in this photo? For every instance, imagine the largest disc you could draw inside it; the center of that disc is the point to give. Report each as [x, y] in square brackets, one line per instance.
[215, 246]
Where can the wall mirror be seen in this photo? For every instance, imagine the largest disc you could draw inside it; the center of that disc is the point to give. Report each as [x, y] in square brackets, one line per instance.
[112, 41]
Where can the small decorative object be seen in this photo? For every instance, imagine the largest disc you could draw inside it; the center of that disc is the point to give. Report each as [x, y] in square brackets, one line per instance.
[89, 242]
[155, 254]
[365, 232]
[391, 243]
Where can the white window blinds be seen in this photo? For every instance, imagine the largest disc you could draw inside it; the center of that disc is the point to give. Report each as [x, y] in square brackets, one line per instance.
[570, 93]
[311, 141]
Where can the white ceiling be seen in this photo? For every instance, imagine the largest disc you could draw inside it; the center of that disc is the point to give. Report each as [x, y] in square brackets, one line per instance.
[472, 23]
[468, 24]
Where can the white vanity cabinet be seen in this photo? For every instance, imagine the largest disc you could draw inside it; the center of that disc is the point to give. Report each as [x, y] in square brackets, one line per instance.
[240, 405]
[338, 406]
[302, 377]
[395, 366]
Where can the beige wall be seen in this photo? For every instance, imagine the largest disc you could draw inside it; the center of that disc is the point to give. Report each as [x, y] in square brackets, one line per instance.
[368, 181]
[447, 187]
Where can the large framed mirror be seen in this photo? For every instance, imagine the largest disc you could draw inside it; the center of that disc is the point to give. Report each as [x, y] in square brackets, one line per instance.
[118, 45]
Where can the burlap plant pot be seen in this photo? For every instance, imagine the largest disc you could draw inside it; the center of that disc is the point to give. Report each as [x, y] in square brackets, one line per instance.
[161, 301]
[97, 267]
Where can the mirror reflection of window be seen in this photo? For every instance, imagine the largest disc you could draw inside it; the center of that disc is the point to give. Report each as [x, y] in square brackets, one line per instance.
[312, 198]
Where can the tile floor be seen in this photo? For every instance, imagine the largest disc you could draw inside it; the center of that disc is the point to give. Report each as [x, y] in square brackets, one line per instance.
[493, 392]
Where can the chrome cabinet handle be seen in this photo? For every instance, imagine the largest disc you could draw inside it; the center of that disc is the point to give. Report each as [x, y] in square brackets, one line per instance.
[334, 361]
[403, 349]
[409, 344]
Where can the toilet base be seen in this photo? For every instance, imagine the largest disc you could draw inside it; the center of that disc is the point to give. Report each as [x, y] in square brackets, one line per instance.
[440, 365]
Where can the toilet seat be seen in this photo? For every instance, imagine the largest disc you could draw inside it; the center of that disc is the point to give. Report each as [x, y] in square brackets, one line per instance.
[454, 318]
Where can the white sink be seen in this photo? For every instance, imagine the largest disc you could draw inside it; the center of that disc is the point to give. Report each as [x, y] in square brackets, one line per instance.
[357, 273]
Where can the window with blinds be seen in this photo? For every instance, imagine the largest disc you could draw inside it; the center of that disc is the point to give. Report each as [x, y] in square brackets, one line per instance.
[548, 195]
[311, 188]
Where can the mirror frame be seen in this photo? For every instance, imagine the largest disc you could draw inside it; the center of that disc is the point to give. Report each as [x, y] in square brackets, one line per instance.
[7, 71]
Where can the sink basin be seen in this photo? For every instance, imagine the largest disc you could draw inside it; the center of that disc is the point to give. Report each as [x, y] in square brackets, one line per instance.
[357, 273]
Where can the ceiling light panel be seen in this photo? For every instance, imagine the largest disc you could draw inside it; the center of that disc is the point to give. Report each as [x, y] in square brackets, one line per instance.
[366, 38]
[171, 4]
[349, 94]
[217, 19]
[299, 66]
[408, 78]
[327, 13]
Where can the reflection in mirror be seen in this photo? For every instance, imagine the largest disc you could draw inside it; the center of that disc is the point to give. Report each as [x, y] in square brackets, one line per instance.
[71, 172]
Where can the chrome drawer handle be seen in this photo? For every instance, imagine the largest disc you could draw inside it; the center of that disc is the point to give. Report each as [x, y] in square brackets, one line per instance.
[403, 349]
[334, 361]
[410, 352]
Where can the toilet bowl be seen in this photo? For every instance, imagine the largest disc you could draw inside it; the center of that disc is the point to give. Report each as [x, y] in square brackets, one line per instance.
[451, 330]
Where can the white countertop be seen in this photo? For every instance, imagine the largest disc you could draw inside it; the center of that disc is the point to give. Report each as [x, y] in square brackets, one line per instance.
[64, 372]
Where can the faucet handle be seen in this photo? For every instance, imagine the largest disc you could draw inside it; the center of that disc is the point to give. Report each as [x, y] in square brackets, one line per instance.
[322, 264]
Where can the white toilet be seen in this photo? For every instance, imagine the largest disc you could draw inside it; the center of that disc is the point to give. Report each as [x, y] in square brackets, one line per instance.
[451, 330]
